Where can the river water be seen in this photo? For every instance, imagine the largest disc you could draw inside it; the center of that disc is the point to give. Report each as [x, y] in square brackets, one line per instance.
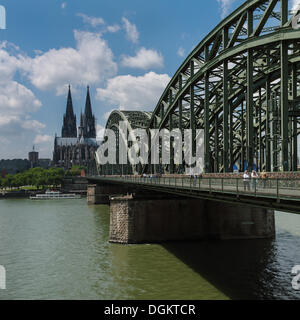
[60, 250]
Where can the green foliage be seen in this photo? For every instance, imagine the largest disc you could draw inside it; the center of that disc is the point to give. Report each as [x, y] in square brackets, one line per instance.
[37, 177]
[75, 171]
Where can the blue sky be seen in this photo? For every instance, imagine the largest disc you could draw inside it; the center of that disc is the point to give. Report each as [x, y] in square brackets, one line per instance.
[125, 50]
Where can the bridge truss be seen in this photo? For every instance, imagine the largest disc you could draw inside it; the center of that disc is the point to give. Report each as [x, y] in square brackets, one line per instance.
[241, 86]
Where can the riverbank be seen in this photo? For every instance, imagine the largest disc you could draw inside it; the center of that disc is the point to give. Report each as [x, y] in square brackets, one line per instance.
[20, 193]
[77, 185]
[24, 194]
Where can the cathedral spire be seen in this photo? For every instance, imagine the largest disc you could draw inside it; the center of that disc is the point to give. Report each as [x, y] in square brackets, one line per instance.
[88, 106]
[69, 110]
[69, 129]
[88, 118]
[81, 120]
[81, 126]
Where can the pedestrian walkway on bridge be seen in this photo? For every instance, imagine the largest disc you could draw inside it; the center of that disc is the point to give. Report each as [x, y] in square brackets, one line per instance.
[283, 193]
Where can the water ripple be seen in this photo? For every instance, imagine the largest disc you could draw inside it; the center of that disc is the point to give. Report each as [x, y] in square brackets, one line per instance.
[60, 250]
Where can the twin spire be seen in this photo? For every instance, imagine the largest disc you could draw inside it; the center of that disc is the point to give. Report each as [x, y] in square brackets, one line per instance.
[87, 128]
[70, 111]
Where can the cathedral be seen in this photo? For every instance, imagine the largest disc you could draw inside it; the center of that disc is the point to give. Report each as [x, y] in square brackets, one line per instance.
[76, 147]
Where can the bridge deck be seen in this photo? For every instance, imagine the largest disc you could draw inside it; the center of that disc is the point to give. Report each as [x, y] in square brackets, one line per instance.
[279, 194]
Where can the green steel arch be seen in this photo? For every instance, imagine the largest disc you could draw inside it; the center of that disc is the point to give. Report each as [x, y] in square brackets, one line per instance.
[241, 86]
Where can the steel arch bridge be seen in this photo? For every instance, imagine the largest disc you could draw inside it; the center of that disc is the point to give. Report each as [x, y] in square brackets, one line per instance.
[241, 85]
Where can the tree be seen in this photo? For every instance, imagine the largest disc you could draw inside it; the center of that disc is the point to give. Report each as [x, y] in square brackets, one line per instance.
[55, 176]
[8, 181]
[75, 171]
[37, 177]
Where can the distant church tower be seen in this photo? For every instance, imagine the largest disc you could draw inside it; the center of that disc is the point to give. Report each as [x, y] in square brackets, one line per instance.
[69, 129]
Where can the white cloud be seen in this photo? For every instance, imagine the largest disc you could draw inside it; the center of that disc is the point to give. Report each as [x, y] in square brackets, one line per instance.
[107, 114]
[42, 139]
[17, 135]
[134, 93]
[17, 103]
[144, 59]
[181, 52]
[16, 99]
[114, 28]
[9, 63]
[100, 132]
[93, 21]
[295, 4]
[8, 123]
[225, 5]
[33, 124]
[131, 30]
[98, 21]
[91, 62]
[63, 5]
[38, 52]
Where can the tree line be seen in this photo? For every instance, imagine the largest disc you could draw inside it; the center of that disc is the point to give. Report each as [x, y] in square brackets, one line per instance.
[39, 177]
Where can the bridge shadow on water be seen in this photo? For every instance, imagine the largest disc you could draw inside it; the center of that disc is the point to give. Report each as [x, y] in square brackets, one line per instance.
[241, 269]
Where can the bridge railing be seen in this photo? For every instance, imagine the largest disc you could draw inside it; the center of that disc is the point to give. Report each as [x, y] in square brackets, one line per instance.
[273, 188]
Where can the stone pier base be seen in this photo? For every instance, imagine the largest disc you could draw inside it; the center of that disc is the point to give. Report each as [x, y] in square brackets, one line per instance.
[137, 220]
[99, 194]
[95, 196]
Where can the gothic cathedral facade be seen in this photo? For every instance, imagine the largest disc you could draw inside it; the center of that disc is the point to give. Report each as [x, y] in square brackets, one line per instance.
[76, 147]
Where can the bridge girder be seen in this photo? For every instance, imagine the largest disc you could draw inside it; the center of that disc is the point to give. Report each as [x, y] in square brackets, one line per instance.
[241, 86]
[227, 76]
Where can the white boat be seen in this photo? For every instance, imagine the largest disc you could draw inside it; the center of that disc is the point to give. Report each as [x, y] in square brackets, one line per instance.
[55, 195]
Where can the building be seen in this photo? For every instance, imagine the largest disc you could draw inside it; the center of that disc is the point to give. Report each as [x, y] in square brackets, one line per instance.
[76, 147]
[33, 158]
[44, 163]
[13, 166]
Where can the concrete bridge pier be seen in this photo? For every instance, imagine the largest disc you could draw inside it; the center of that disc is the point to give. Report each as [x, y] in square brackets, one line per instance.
[144, 220]
[231, 221]
[99, 194]
[95, 195]
[140, 220]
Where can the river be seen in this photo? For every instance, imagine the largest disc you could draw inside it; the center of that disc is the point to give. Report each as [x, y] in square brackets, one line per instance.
[60, 250]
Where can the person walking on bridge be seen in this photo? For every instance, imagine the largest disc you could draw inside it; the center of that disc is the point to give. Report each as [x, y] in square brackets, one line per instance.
[246, 178]
[263, 177]
[254, 177]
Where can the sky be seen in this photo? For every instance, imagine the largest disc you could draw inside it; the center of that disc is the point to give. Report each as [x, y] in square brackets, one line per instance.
[125, 50]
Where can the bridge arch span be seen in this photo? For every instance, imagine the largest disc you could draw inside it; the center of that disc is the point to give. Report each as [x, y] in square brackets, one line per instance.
[241, 85]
